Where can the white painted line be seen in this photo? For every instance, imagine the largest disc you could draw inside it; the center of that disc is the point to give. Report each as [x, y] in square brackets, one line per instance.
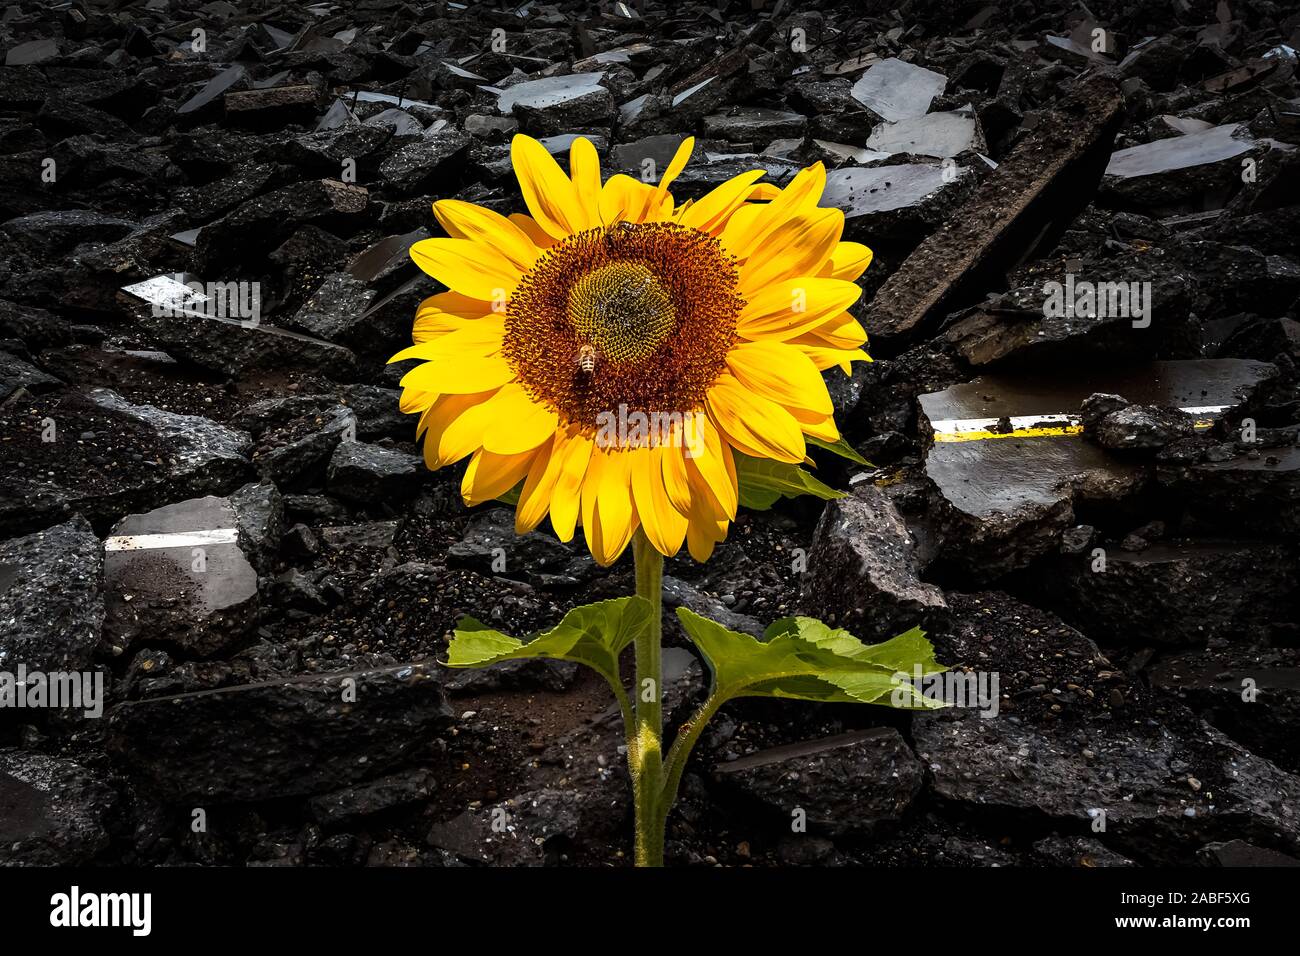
[175, 539]
[957, 426]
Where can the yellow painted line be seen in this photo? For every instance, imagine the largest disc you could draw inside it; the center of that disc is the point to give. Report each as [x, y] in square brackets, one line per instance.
[959, 431]
[1049, 431]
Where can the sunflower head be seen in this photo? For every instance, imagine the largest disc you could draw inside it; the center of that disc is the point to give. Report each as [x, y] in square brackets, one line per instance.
[612, 352]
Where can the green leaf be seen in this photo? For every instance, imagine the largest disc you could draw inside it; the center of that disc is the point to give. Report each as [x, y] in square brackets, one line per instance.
[762, 481]
[839, 447]
[511, 497]
[594, 634]
[802, 658]
[900, 653]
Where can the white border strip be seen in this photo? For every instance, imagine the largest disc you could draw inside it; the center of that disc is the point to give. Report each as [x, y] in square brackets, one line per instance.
[175, 539]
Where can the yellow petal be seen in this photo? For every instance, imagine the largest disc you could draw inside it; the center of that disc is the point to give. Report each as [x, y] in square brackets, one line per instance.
[781, 373]
[711, 460]
[584, 168]
[415, 400]
[575, 458]
[471, 268]
[548, 193]
[755, 425]
[673, 465]
[453, 427]
[825, 358]
[522, 426]
[528, 225]
[796, 247]
[706, 527]
[446, 312]
[474, 337]
[711, 212]
[816, 425]
[490, 476]
[460, 375]
[607, 515]
[624, 199]
[792, 307]
[800, 196]
[839, 332]
[464, 220]
[848, 261]
[677, 164]
[535, 498]
[664, 526]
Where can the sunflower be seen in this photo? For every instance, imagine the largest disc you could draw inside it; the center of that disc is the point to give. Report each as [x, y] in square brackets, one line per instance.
[711, 319]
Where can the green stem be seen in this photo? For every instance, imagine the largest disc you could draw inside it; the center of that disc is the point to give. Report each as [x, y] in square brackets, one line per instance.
[680, 752]
[645, 750]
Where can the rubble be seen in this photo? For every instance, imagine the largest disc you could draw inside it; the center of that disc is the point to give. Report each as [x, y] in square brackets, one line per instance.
[849, 783]
[862, 573]
[1021, 197]
[56, 811]
[1082, 310]
[308, 735]
[178, 576]
[1003, 514]
[51, 628]
[167, 457]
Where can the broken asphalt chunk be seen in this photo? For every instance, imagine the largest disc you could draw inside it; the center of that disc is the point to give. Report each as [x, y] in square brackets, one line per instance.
[108, 457]
[1009, 458]
[289, 737]
[51, 598]
[862, 572]
[1045, 180]
[178, 575]
[849, 784]
[895, 90]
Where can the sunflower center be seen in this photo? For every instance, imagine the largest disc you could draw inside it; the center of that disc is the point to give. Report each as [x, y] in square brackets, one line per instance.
[637, 317]
[622, 310]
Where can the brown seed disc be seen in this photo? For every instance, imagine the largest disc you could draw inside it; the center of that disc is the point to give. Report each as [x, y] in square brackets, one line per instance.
[641, 315]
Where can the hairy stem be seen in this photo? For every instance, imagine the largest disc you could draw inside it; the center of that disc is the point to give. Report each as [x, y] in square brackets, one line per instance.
[645, 751]
[680, 753]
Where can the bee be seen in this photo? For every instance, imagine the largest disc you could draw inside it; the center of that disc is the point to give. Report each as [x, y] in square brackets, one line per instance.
[614, 229]
[587, 356]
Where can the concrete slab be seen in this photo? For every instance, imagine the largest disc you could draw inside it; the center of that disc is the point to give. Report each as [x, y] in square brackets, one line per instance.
[178, 575]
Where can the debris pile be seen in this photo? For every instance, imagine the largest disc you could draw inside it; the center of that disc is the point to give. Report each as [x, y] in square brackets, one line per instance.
[1083, 422]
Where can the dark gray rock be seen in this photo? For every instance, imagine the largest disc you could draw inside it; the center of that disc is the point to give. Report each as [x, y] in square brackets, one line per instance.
[1141, 428]
[367, 473]
[862, 572]
[311, 440]
[306, 735]
[376, 409]
[335, 309]
[1252, 694]
[430, 157]
[1241, 853]
[1176, 591]
[51, 598]
[167, 582]
[237, 347]
[197, 456]
[1057, 850]
[347, 806]
[16, 374]
[1139, 776]
[259, 519]
[490, 546]
[847, 784]
[55, 812]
